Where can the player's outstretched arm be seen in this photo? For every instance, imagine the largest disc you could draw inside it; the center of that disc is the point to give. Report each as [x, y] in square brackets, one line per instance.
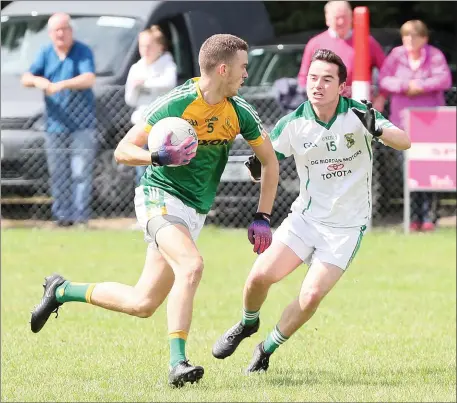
[270, 174]
[390, 136]
[130, 150]
[395, 138]
[259, 232]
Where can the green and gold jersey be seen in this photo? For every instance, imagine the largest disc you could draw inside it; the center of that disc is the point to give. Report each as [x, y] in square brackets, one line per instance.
[216, 126]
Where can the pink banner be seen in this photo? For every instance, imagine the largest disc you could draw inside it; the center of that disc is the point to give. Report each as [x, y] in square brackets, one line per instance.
[432, 157]
[437, 125]
[432, 175]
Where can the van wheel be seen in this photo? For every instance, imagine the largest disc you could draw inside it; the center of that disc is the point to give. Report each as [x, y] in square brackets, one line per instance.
[113, 187]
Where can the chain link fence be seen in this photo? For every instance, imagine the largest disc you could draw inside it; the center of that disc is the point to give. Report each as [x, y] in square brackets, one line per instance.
[26, 184]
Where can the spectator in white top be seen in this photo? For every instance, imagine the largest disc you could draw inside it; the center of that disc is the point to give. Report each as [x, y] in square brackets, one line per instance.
[153, 75]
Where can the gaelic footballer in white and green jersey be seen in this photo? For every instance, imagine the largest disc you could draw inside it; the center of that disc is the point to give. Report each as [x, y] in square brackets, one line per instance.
[334, 162]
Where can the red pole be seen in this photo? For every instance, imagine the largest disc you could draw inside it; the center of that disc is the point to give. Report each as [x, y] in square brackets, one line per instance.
[361, 79]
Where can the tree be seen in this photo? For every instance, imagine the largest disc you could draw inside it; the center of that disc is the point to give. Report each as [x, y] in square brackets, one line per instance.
[294, 16]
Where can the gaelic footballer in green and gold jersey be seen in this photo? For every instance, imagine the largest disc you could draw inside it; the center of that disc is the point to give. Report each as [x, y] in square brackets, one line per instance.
[171, 203]
[216, 126]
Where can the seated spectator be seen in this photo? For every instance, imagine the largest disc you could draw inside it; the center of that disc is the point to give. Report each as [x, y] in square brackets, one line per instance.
[153, 75]
[415, 74]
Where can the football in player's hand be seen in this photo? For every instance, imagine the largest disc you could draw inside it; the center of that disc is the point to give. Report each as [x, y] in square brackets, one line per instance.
[180, 130]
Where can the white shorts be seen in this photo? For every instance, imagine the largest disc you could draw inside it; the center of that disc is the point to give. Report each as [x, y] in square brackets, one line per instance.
[310, 240]
[151, 202]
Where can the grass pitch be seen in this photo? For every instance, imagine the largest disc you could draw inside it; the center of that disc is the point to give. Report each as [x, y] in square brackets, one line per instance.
[385, 333]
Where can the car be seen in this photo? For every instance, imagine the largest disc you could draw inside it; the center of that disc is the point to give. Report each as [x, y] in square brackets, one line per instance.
[111, 30]
[278, 60]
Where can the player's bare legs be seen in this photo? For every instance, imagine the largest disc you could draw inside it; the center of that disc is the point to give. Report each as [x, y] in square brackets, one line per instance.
[146, 296]
[177, 246]
[269, 268]
[319, 280]
[176, 266]
[140, 300]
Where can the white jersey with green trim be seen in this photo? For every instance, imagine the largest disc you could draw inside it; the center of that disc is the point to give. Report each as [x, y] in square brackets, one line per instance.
[334, 162]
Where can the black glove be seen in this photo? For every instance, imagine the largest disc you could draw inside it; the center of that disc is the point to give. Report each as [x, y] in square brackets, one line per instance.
[255, 167]
[368, 118]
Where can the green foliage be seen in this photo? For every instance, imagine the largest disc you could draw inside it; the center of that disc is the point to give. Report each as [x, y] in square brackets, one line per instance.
[294, 16]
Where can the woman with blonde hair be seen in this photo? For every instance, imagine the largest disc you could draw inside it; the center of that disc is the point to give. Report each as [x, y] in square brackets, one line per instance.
[415, 74]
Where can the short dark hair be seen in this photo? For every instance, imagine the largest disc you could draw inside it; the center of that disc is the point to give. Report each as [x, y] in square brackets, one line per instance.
[219, 48]
[328, 56]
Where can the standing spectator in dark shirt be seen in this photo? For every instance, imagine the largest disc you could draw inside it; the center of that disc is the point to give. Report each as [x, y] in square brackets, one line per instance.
[65, 71]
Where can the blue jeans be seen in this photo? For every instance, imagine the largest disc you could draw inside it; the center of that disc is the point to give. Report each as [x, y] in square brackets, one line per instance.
[421, 207]
[70, 160]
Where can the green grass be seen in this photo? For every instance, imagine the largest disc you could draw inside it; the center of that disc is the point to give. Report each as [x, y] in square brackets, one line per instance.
[385, 333]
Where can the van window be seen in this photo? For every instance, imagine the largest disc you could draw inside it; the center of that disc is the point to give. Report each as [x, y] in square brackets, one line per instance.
[258, 61]
[266, 65]
[110, 39]
[283, 64]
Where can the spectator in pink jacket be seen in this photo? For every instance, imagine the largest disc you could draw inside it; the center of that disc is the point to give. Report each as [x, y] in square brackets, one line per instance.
[338, 38]
[415, 74]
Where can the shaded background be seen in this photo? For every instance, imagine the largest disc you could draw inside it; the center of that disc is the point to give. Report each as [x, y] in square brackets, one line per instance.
[294, 22]
[292, 16]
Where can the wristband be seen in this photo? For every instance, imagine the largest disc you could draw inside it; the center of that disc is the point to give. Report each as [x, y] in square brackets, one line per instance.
[262, 216]
[155, 160]
[378, 132]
